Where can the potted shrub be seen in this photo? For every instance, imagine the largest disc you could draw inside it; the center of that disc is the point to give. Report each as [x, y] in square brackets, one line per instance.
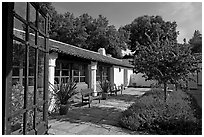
[105, 87]
[63, 93]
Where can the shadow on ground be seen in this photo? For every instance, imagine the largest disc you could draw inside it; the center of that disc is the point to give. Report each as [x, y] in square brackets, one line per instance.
[100, 114]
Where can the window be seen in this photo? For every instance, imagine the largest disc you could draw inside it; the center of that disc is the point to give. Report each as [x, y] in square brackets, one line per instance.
[62, 72]
[102, 73]
[105, 75]
[27, 93]
[78, 73]
[98, 73]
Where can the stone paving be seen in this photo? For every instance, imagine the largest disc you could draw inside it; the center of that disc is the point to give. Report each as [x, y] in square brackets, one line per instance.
[100, 119]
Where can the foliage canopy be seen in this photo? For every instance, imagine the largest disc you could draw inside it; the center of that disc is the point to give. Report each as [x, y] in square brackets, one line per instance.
[156, 52]
[87, 32]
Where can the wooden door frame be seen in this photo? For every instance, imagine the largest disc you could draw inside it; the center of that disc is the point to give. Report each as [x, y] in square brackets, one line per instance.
[7, 41]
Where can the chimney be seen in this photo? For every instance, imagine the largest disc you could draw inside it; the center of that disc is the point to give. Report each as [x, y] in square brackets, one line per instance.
[102, 51]
[109, 55]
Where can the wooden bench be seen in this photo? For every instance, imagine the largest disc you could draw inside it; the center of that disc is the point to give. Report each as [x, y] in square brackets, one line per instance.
[88, 96]
[114, 89]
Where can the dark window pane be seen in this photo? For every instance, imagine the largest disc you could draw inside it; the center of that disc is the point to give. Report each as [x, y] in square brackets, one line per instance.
[39, 117]
[17, 99]
[31, 61]
[15, 81]
[15, 71]
[17, 125]
[32, 15]
[31, 81]
[65, 65]
[41, 23]
[30, 120]
[32, 35]
[57, 72]
[76, 79]
[20, 9]
[75, 67]
[31, 71]
[41, 76]
[19, 29]
[64, 80]
[18, 78]
[41, 41]
[82, 73]
[82, 79]
[76, 72]
[57, 65]
[65, 72]
[56, 80]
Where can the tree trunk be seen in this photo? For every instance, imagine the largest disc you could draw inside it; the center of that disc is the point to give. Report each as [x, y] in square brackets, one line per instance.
[165, 92]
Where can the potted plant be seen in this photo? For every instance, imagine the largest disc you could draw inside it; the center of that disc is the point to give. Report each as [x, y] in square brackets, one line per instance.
[63, 93]
[105, 87]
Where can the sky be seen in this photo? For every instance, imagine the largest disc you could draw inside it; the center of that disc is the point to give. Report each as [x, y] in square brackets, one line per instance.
[188, 15]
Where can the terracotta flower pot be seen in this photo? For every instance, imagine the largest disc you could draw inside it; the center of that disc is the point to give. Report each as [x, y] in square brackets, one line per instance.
[104, 95]
[64, 109]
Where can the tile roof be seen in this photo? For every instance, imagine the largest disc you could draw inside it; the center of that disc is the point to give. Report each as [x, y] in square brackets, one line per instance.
[68, 49]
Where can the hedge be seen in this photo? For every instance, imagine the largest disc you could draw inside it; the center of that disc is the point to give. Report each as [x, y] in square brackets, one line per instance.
[151, 113]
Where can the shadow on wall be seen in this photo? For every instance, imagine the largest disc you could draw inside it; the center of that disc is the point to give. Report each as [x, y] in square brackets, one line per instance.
[136, 80]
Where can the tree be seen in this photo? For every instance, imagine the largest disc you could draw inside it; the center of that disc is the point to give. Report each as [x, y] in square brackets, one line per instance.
[154, 26]
[196, 42]
[48, 8]
[156, 52]
[92, 34]
[165, 61]
[86, 32]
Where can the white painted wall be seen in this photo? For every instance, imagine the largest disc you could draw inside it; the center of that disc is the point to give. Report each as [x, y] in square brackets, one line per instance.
[118, 76]
[129, 73]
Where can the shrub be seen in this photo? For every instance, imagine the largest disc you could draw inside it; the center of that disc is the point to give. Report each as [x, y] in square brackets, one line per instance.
[151, 113]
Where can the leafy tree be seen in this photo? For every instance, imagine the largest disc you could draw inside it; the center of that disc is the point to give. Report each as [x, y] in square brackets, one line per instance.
[165, 61]
[196, 42]
[86, 32]
[154, 26]
[156, 52]
[54, 16]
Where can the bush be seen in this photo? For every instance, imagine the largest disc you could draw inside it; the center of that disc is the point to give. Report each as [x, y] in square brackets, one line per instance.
[151, 113]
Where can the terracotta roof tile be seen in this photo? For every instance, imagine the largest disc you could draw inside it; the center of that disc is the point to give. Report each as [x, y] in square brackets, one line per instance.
[83, 53]
[68, 49]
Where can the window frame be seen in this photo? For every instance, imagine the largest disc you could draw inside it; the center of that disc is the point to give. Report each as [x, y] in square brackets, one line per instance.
[9, 39]
[72, 68]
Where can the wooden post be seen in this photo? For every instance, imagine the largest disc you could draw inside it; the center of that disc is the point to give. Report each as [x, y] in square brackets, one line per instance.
[7, 45]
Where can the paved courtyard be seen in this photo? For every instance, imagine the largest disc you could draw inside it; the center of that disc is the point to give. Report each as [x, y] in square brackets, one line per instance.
[100, 119]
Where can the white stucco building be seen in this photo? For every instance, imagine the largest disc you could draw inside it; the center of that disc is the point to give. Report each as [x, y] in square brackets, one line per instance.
[86, 67]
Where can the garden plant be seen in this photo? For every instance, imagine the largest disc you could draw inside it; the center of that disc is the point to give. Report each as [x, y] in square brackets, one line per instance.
[151, 114]
[63, 92]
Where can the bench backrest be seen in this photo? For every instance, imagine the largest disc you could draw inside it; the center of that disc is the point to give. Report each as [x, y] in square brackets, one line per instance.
[114, 87]
[87, 91]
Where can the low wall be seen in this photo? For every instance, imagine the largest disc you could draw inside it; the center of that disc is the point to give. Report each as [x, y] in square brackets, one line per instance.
[138, 80]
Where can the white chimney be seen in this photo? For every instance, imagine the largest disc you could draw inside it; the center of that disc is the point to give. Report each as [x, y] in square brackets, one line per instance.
[109, 55]
[102, 51]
